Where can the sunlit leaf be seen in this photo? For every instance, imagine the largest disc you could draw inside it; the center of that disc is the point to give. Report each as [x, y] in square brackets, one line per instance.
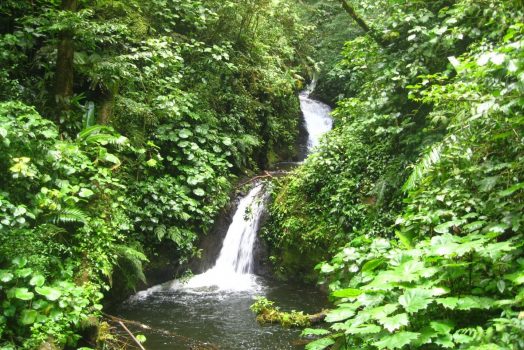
[320, 344]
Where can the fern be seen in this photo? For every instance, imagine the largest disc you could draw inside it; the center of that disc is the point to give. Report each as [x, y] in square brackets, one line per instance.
[69, 215]
[131, 264]
[160, 232]
[423, 166]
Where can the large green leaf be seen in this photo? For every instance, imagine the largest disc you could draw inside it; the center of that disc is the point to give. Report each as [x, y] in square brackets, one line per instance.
[517, 277]
[511, 190]
[363, 329]
[50, 293]
[442, 327]
[320, 344]
[23, 272]
[347, 293]
[444, 228]
[396, 341]
[315, 331]
[85, 193]
[448, 303]
[382, 311]
[28, 317]
[394, 322]
[23, 294]
[339, 314]
[409, 271]
[199, 192]
[415, 299]
[20, 261]
[445, 341]
[185, 133]
[111, 158]
[37, 280]
[6, 276]
[372, 264]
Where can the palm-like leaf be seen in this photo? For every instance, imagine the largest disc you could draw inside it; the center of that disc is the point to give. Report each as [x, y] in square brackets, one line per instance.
[69, 215]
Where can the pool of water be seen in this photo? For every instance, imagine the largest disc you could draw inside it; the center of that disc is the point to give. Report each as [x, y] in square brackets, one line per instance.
[215, 319]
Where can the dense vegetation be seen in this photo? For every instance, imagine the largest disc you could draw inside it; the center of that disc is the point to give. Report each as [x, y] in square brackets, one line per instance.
[123, 125]
[415, 200]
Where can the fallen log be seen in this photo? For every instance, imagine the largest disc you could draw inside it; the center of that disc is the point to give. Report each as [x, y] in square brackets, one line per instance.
[131, 335]
[318, 317]
[190, 342]
[265, 176]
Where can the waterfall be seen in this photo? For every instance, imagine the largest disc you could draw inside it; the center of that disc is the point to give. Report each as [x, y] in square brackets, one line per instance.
[316, 115]
[234, 266]
[233, 270]
[236, 255]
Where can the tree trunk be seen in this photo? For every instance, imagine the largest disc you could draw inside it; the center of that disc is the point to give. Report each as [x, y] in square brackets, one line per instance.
[64, 63]
[361, 23]
[105, 111]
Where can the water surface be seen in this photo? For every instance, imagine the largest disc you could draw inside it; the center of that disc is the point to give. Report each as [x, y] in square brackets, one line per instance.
[221, 319]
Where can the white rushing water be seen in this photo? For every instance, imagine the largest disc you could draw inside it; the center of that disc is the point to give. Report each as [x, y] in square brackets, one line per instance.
[316, 115]
[233, 269]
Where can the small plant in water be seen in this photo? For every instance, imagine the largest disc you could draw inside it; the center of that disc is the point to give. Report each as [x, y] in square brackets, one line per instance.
[186, 276]
[268, 313]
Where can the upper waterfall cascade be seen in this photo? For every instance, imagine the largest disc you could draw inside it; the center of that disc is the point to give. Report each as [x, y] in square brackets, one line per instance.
[316, 116]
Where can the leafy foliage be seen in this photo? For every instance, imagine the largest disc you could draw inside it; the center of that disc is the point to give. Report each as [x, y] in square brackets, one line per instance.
[423, 256]
[123, 126]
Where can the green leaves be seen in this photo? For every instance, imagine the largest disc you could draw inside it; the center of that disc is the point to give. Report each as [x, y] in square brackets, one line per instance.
[394, 323]
[6, 276]
[320, 344]
[511, 190]
[22, 294]
[50, 293]
[314, 331]
[466, 302]
[396, 341]
[339, 314]
[444, 228]
[414, 300]
[199, 192]
[347, 293]
[37, 280]
[442, 327]
[363, 329]
[372, 264]
[185, 133]
[28, 317]
[85, 193]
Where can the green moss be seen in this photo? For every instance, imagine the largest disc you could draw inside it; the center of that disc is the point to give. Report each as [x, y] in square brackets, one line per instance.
[268, 313]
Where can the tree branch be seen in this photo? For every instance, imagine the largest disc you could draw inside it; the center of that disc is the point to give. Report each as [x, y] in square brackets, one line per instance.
[361, 23]
[131, 335]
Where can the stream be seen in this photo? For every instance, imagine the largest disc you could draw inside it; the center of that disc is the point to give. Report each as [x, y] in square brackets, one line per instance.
[211, 310]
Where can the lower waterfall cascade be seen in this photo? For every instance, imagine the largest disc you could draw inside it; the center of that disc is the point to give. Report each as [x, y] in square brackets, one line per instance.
[233, 269]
